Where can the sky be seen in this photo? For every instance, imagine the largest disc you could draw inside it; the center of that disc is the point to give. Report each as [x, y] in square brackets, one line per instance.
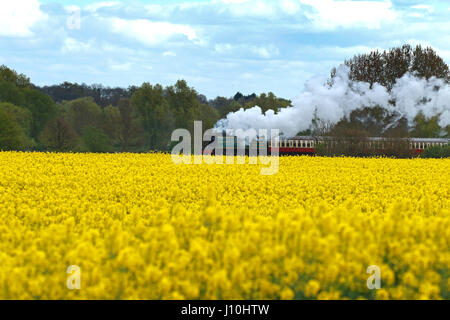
[218, 46]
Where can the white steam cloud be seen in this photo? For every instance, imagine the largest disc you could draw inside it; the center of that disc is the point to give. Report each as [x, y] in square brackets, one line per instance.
[331, 104]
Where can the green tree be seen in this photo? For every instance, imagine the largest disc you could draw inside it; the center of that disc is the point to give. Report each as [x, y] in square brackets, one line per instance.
[16, 89]
[183, 101]
[22, 115]
[268, 102]
[373, 122]
[42, 108]
[424, 127]
[208, 115]
[155, 115]
[229, 107]
[82, 113]
[112, 123]
[95, 140]
[12, 136]
[11, 93]
[387, 67]
[9, 75]
[58, 135]
[437, 152]
[427, 64]
[222, 105]
[131, 130]
[447, 131]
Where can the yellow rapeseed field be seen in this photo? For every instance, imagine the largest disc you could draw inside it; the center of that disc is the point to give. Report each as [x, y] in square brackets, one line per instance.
[141, 227]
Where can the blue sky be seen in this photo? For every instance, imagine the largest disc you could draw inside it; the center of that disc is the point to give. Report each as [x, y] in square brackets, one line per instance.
[219, 46]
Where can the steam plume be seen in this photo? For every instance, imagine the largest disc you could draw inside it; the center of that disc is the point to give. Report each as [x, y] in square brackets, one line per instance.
[331, 104]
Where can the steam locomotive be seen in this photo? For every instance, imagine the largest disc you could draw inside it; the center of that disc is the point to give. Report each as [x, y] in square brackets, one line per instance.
[306, 145]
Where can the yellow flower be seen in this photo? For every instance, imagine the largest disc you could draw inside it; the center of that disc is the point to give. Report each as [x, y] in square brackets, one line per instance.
[312, 288]
[382, 294]
[287, 294]
[140, 227]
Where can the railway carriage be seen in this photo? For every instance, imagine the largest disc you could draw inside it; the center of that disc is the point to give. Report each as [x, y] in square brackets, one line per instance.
[306, 145]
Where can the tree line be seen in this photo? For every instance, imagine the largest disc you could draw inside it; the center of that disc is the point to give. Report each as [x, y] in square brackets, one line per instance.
[83, 118]
[93, 118]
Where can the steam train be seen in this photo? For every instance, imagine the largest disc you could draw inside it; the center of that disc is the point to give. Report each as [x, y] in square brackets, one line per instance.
[307, 145]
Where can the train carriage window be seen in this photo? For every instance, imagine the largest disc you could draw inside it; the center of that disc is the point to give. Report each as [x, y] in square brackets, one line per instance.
[291, 144]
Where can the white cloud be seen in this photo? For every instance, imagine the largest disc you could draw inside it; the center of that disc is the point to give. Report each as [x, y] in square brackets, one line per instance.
[235, 1]
[223, 48]
[348, 51]
[231, 41]
[250, 8]
[121, 66]
[74, 46]
[290, 6]
[17, 17]
[247, 75]
[425, 7]
[264, 52]
[156, 9]
[331, 14]
[99, 5]
[151, 33]
[169, 54]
